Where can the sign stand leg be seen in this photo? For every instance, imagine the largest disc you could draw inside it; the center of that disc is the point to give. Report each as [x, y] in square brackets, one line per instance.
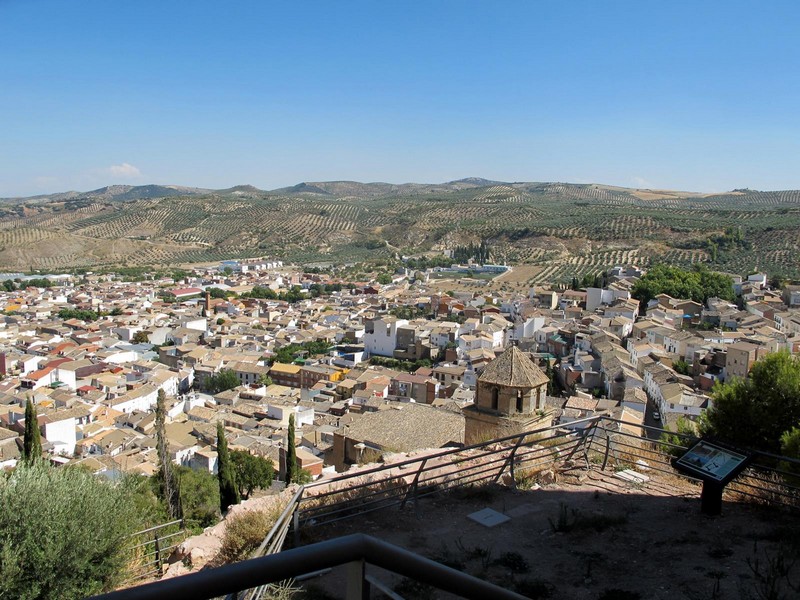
[711, 498]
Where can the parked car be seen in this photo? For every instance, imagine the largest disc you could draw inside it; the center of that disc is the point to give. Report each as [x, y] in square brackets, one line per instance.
[656, 415]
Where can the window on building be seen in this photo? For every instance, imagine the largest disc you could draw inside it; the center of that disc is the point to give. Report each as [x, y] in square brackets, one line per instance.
[519, 401]
[495, 398]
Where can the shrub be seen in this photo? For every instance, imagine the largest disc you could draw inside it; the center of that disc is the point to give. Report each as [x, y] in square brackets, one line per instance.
[199, 492]
[64, 533]
[245, 531]
[755, 412]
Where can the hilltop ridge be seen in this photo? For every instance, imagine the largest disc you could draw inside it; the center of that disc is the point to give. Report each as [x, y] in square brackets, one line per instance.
[339, 188]
[564, 230]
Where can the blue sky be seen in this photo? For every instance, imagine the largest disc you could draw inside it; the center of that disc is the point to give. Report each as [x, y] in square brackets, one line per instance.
[684, 95]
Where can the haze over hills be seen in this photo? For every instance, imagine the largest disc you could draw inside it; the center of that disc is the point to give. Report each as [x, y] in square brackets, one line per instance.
[338, 189]
[566, 229]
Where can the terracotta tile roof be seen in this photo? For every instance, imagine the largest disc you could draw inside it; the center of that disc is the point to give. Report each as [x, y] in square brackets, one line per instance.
[513, 368]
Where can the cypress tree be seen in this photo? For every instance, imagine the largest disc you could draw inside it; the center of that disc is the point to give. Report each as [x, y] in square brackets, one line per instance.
[291, 453]
[551, 376]
[167, 480]
[31, 441]
[228, 490]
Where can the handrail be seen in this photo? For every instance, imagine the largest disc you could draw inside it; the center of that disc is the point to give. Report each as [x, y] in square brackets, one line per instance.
[448, 452]
[770, 455]
[307, 559]
[283, 521]
[392, 487]
[162, 526]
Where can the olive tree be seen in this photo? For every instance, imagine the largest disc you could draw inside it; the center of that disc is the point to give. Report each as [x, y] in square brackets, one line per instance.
[63, 532]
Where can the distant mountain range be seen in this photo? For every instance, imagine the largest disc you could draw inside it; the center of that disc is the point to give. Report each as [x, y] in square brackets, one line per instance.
[559, 230]
[338, 189]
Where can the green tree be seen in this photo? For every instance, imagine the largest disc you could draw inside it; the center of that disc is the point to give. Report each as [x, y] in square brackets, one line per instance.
[228, 492]
[777, 281]
[31, 440]
[286, 354]
[225, 379]
[167, 482]
[252, 472]
[265, 380]
[790, 443]
[686, 432]
[199, 492]
[38, 282]
[681, 366]
[218, 293]
[384, 278]
[291, 453]
[141, 337]
[790, 446]
[698, 284]
[552, 385]
[757, 411]
[303, 476]
[64, 533]
[263, 293]
[74, 313]
[142, 493]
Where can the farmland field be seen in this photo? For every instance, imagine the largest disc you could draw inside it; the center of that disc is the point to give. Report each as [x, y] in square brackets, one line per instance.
[551, 231]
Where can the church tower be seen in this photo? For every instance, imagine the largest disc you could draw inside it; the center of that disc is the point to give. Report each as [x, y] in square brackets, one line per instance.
[510, 398]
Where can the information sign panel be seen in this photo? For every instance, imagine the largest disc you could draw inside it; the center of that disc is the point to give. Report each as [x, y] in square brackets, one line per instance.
[716, 465]
[711, 461]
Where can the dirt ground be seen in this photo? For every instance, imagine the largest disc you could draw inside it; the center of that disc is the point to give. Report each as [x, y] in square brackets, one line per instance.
[517, 279]
[600, 538]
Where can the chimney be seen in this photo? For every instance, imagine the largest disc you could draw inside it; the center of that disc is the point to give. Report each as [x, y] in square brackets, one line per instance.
[207, 307]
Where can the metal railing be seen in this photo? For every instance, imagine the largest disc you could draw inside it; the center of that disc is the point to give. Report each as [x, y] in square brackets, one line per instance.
[273, 543]
[153, 546]
[409, 480]
[770, 479]
[356, 551]
[592, 442]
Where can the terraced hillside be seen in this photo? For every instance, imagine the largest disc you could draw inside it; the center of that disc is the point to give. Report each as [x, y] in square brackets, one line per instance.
[566, 229]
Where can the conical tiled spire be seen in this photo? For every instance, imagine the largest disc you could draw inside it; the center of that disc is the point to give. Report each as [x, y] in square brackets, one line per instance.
[513, 368]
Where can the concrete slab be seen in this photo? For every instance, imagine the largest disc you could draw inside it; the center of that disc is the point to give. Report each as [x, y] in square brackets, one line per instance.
[488, 517]
[631, 476]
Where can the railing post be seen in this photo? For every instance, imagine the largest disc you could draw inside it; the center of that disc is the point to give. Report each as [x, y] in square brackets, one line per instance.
[357, 584]
[158, 553]
[587, 444]
[296, 520]
[414, 485]
[608, 449]
[584, 432]
[510, 462]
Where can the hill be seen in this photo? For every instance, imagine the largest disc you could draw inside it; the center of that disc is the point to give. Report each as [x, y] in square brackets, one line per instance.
[563, 229]
[114, 193]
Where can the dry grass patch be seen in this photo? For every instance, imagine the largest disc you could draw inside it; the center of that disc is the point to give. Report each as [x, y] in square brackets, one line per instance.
[244, 531]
